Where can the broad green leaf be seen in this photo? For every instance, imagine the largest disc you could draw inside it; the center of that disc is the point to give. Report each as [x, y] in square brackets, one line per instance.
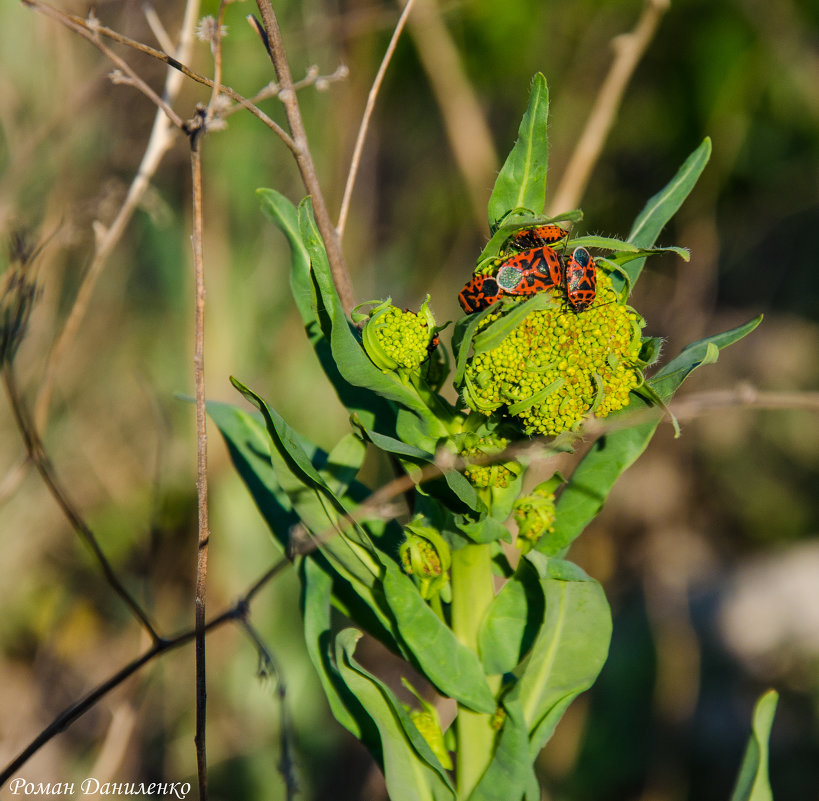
[279, 209]
[315, 602]
[412, 771]
[511, 770]
[371, 408]
[521, 182]
[752, 783]
[593, 479]
[508, 630]
[611, 454]
[669, 377]
[249, 446]
[353, 363]
[487, 529]
[662, 207]
[569, 651]
[343, 463]
[444, 660]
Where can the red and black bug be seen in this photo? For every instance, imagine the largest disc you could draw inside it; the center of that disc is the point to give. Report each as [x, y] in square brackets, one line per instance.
[533, 271]
[522, 274]
[478, 293]
[538, 236]
[581, 279]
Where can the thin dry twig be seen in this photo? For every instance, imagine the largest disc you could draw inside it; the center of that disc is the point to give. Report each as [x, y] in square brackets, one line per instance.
[304, 159]
[201, 447]
[45, 467]
[237, 611]
[365, 119]
[175, 63]
[628, 50]
[160, 141]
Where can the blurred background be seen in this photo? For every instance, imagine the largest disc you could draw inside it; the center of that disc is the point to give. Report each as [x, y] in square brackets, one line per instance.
[708, 547]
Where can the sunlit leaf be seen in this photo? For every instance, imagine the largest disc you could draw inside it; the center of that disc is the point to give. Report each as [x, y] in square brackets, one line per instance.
[752, 783]
[521, 181]
[411, 770]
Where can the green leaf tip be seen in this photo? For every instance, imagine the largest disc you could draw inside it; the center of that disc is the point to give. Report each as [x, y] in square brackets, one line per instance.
[752, 782]
[521, 181]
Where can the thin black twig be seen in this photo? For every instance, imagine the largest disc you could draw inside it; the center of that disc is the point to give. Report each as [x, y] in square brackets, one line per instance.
[237, 611]
[42, 462]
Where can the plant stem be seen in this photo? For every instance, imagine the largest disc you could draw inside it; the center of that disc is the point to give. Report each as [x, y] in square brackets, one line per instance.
[472, 593]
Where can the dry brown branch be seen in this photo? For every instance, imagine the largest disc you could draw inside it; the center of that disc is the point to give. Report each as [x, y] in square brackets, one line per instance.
[304, 159]
[628, 50]
[466, 127]
[42, 462]
[198, 129]
[365, 119]
[175, 63]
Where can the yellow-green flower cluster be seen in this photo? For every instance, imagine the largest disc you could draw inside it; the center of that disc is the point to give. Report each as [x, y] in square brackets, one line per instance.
[557, 365]
[497, 475]
[535, 513]
[398, 340]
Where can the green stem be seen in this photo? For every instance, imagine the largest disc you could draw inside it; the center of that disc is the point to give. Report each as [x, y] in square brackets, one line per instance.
[472, 593]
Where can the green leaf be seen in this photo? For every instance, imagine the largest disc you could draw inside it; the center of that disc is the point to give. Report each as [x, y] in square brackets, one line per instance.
[593, 478]
[279, 209]
[662, 207]
[570, 649]
[752, 783]
[249, 446]
[508, 630]
[353, 364]
[343, 463]
[452, 488]
[611, 454]
[522, 179]
[511, 770]
[444, 660]
[524, 219]
[412, 771]
[666, 380]
[315, 602]
[371, 408]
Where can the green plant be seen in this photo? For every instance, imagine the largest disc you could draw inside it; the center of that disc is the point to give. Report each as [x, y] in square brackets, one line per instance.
[513, 658]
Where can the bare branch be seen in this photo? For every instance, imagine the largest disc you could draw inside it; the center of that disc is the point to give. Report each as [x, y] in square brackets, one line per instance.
[628, 50]
[365, 119]
[40, 459]
[160, 141]
[176, 64]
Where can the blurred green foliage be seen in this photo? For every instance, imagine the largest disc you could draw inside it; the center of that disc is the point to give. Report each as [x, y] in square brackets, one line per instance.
[738, 483]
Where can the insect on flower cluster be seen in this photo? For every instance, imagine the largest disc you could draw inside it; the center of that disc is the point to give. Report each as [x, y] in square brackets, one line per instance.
[579, 355]
[534, 267]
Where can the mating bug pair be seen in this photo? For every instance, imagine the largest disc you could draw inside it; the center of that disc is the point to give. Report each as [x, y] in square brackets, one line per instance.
[536, 268]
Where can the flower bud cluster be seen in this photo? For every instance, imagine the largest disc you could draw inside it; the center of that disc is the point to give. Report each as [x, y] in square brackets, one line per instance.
[398, 340]
[497, 475]
[535, 513]
[425, 555]
[557, 365]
